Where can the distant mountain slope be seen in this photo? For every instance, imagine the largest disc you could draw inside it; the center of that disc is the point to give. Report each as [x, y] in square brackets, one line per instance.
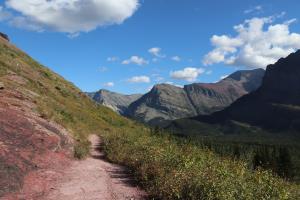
[211, 97]
[167, 102]
[274, 106]
[117, 102]
[163, 102]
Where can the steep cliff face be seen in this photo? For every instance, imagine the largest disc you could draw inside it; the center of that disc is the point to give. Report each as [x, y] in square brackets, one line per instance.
[117, 102]
[167, 102]
[275, 105]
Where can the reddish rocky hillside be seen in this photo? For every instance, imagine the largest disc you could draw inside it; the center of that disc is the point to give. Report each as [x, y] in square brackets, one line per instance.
[30, 146]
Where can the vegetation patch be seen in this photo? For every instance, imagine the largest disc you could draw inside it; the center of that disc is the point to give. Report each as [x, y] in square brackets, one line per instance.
[82, 149]
[172, 168]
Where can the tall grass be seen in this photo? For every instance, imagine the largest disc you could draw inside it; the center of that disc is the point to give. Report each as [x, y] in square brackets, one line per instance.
[176, 169]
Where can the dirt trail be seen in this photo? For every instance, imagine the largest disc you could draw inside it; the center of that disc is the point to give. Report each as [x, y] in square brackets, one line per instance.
[94, 179]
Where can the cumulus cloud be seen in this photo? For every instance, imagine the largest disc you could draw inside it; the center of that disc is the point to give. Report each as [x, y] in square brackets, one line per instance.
[70, 16]
[176, 58]
[156, 51]
[258, 43]
[135, 60]
[189, 74]
[109, 84]
[139, 79]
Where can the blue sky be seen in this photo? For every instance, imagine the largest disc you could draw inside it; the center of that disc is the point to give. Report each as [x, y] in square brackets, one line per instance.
[157, 41]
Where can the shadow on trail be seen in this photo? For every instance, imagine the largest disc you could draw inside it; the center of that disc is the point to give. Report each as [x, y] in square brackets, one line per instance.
[119, 173]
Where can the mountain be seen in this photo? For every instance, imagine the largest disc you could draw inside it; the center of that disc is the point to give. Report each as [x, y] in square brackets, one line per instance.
[42, 118]
[275, 106]
[117, 102]
[210, 97]
[167, 102]
[163, 102]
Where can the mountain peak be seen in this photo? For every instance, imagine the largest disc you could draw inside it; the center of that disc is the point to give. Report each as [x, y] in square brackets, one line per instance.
[117, 102]
[238, 75]
[282, 80]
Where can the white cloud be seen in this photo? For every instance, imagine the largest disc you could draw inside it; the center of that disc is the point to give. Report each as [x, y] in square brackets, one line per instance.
[135, 60]
[24, 23]
[112, 59]
[139, 79]
[176, 58]
[156, 51]
[109, 84]
[189, 74]
[258, 43]
[256, 9]
[70, 16]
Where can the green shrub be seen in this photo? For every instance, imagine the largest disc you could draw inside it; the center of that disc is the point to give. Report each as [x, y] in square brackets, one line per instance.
[82, 149]
[169, 168]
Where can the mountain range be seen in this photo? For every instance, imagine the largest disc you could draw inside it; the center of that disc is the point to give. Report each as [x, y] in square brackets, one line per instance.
[167, 102]
[274, 106]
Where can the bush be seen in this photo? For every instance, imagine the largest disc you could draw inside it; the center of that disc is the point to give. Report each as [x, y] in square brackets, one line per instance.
[82, 149]
[169, 168]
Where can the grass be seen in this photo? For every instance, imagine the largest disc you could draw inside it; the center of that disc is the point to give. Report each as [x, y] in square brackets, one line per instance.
[81, 149]
[170, 168]
[167, 168]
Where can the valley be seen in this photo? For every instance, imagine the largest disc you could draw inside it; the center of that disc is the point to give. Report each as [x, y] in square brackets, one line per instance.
[149, 100]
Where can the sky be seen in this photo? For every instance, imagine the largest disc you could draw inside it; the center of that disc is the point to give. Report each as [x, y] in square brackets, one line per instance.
[128, 46]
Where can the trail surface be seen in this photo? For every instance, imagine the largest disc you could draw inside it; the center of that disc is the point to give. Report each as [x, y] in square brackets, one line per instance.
[95, 179]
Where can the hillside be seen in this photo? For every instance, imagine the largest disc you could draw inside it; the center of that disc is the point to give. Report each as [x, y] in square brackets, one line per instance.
[117, 102]
[167, 102]
[42, 116]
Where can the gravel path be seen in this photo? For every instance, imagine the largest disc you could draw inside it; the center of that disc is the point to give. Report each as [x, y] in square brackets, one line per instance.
[95, 179]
